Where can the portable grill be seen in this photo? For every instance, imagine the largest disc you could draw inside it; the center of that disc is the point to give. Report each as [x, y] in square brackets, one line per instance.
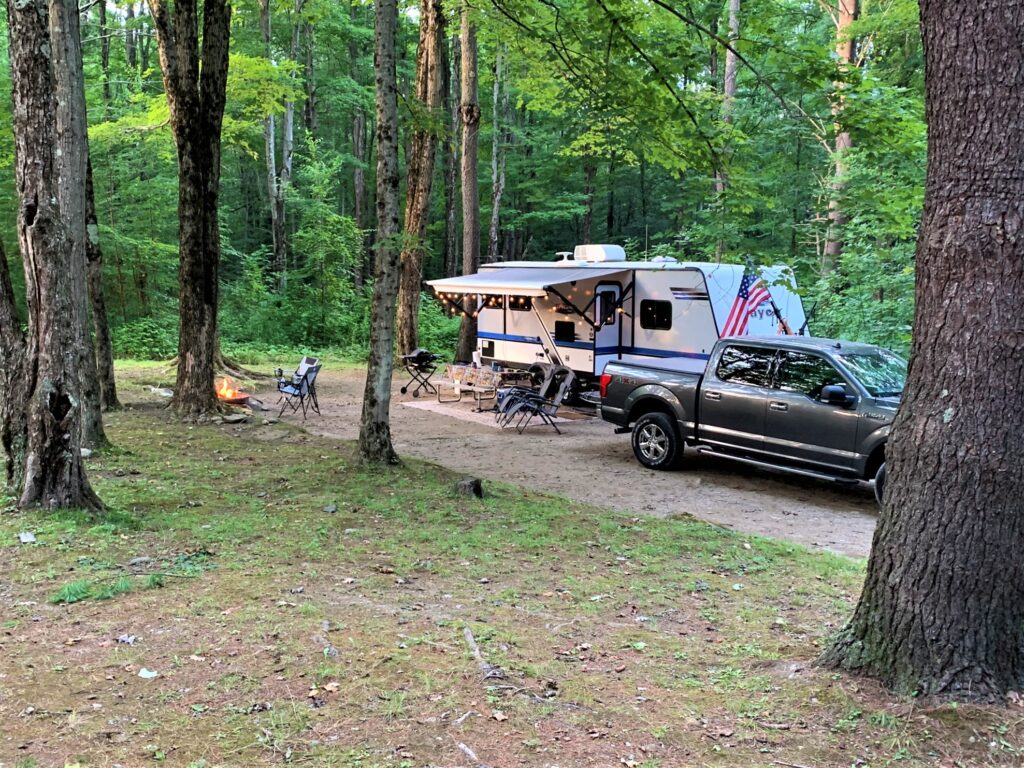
[421, 364]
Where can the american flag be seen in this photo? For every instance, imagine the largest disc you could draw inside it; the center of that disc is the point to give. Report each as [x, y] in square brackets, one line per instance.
[751, 294]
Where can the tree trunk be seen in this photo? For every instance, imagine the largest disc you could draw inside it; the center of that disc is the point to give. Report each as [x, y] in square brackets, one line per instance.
[451, 162]
[375, 425]
[589, 175]
[71, 164]
[498, 140]
[729, 86]
[275, 177]
[846, 13]
[359, 153]
[104, 57]
[94, 256]
[309, 111]
[420, 173]
[197, 112]
[469, 112]
[14, 383]
[942, 609]
[53, 475]
[131, 38]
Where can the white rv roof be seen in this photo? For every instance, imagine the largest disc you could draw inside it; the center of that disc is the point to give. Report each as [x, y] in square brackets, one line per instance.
[706, 267]
[533, 280]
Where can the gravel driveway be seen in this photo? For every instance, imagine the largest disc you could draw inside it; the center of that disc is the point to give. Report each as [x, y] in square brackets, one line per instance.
[592, 464]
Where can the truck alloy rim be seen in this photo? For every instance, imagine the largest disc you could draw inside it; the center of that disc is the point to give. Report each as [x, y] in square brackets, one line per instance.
[653, 442]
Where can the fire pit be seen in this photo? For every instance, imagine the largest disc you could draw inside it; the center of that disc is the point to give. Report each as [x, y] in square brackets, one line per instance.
[228, 392]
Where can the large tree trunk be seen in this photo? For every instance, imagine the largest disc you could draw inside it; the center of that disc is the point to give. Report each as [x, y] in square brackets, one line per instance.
[131, 37]
[71, 164]
[104, 57]
[97, 299]
[53, 473]
[197, 112]
[498, 140]
[420, 174]
[451, 161]
[375, 425]
[846, 13]
[942, 609]
[14, 383]
[469, 112]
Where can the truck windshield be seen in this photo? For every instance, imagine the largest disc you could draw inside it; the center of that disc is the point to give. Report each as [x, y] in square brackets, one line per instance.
[882, 373]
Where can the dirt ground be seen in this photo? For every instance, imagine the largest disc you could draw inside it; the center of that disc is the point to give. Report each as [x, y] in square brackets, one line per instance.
[590, 463]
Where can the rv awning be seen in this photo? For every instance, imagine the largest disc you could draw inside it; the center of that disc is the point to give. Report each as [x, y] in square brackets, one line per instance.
[517, 281]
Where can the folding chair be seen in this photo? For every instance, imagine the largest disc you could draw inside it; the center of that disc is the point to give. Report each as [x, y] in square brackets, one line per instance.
[524, 410]
[304, 365]
[510, 396]
[420, 364]
[301, 394]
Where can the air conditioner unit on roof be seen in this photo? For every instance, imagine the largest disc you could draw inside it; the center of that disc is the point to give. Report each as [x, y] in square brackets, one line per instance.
[595, 253]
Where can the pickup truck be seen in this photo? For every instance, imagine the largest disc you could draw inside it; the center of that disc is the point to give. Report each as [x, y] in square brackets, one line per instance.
[812, 406]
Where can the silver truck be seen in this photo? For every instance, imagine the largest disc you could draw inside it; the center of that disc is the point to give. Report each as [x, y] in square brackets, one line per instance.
[817, 407]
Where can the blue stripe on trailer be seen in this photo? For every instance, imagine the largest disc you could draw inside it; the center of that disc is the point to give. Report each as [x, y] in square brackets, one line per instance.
[646, 351]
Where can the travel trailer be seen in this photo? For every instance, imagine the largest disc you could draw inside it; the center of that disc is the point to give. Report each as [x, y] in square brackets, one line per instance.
[593, 306]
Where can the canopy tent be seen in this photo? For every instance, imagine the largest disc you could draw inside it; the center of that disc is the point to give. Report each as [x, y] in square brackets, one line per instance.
[517, 281]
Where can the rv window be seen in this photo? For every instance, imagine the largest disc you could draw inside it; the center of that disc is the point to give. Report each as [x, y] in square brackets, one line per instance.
[606, 308]
[745, 365]
[520, 303]
[565, 330]
[656, 315]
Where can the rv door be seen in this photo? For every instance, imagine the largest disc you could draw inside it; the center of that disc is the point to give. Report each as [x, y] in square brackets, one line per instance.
[607, 334]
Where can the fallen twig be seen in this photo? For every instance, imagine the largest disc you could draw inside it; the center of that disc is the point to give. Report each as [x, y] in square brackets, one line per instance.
[490, 671]
[471, 755]
[788, 765]
[462, 718]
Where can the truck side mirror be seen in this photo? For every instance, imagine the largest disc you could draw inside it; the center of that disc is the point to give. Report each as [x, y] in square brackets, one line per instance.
[835, 394]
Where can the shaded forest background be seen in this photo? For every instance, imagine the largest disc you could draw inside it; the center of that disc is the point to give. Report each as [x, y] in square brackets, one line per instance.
[601, 121]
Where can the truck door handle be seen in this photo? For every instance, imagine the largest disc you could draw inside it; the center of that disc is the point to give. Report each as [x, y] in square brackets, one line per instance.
[778, 406]
[712, 395]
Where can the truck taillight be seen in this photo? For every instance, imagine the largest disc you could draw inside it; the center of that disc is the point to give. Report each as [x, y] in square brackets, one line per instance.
[606, 379]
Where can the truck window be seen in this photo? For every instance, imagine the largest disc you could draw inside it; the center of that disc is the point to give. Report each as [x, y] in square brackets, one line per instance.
[806, 374]
[655, 315]
[745, 365]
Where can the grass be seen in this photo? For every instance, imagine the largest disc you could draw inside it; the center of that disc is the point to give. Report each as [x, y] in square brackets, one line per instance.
[285, 634]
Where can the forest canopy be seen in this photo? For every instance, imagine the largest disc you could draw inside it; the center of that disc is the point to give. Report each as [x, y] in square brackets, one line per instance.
[606, 121]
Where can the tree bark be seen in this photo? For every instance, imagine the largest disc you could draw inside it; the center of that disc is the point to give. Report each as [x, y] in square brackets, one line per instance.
[589, 175]
[729, 86]
[104, 57]
[104, 349]
[14, 383]
[942, 609]
[499, 139]
[847, 12]
[375, 425]
[420, 175]
[71, 164]
[309, 111]
[53, 473]
[451, 161]
[469, 112]
[131, 36]
[359, 153]
[197, 111]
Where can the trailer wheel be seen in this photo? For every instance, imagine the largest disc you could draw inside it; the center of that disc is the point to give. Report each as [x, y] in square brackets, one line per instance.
[880, 483]
[656, 442]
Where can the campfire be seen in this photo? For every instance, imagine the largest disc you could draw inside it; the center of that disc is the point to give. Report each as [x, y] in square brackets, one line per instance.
[228, 392]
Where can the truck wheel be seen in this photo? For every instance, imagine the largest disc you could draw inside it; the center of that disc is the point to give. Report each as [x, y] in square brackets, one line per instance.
[656, 443]
[880, 483]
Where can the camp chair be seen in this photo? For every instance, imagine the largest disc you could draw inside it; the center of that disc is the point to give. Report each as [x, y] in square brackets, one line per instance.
[527, 409]
[510, 396]
[295, 379]
[301, 394]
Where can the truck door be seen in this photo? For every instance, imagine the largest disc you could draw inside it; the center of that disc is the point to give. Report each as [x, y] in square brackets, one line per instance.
[798, 425]
[734, 398]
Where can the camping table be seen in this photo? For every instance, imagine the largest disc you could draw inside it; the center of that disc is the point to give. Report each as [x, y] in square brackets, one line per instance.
[481, 382]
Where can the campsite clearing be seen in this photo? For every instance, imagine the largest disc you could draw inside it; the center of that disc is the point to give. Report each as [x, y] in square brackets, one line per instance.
[255, 598]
